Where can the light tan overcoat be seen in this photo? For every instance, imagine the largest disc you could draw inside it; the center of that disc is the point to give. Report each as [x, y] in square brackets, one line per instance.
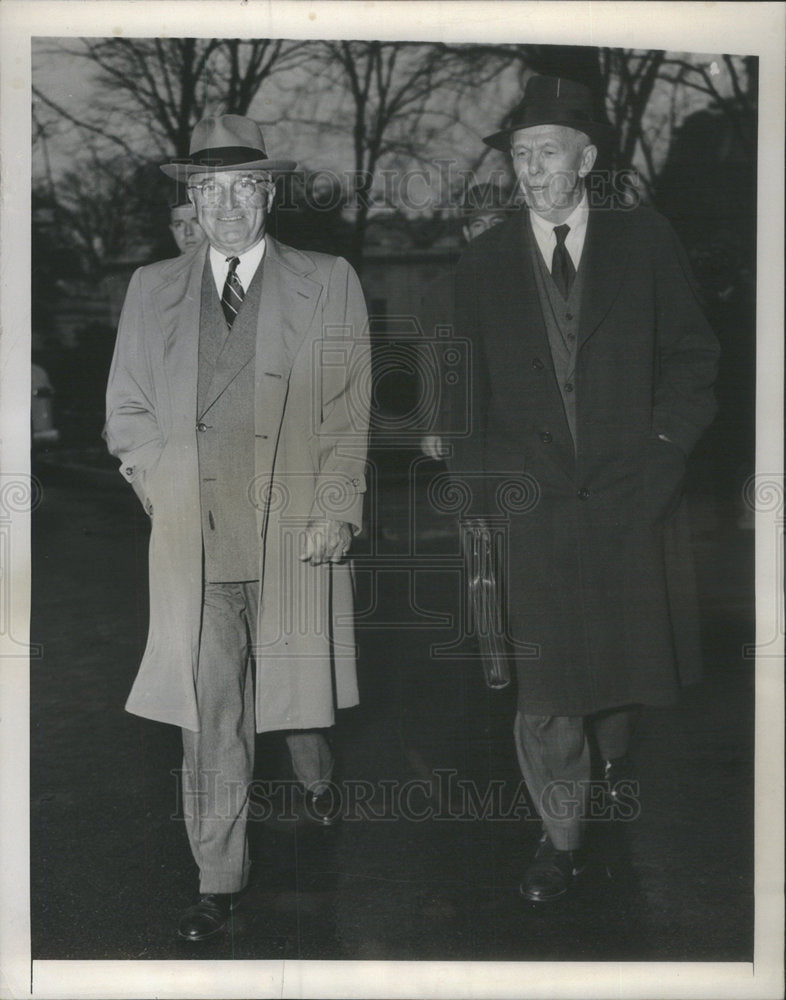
[312, 394]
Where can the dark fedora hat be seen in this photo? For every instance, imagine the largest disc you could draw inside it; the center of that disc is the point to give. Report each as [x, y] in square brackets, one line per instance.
[225, 142]
[553, 100]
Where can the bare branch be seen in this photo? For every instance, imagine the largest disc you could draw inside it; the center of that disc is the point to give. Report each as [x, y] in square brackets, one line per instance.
[96, 130]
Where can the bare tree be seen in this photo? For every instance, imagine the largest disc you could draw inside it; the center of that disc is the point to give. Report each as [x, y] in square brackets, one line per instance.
[160, 87]
[385, 88]
[99, 211]
[737, 102]
[390, 98]
[395, 102]
[149, 94]
[630, 77]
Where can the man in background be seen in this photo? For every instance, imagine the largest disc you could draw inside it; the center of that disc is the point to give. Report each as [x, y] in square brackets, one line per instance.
[484, 206]
[184, 227]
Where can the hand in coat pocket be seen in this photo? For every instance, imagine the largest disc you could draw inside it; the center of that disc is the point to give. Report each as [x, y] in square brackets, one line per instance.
[645, 485]
[143, 481]
[662, 478]
[326, 541]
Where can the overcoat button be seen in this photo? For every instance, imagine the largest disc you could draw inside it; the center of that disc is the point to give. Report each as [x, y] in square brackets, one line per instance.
[356, 482]
[583, 494]
[537, 363]
[201, 428]
[129, 470]
[545, 437]
[568, 387]
[568, 316]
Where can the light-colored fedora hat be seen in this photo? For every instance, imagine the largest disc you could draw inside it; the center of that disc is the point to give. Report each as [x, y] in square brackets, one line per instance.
[553, 100]
[225, 142]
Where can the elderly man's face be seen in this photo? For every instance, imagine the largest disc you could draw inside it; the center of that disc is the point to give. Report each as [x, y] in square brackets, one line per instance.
[232, 207]
[185, 229]
[551, 162]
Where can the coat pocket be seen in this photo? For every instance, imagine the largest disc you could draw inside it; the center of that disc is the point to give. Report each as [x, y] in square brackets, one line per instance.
[644, 485]
[663, 478]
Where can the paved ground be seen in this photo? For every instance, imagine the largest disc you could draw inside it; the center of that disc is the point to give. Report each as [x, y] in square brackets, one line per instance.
[414, 871]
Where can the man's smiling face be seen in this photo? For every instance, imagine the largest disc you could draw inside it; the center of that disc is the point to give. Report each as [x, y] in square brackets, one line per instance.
[232, 207]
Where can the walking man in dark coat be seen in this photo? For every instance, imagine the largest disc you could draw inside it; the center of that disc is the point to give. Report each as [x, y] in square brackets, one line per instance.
[592, 376]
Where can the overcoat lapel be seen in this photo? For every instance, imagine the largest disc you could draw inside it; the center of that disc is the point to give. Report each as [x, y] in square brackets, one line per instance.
[520, 327]
[515, 298]
[289, 299]
[604, 262]
[177, 303]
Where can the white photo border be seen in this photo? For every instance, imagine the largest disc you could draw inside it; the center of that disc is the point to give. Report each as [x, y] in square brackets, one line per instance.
[746, 29]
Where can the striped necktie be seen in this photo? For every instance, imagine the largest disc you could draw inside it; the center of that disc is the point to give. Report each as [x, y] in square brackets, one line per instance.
[232, 296]
[562, 270]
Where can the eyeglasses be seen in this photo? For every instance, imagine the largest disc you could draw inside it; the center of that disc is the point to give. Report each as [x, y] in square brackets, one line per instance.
[243, 188]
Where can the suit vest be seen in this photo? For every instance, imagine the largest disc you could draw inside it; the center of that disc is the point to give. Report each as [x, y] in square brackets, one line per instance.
[562, 328]
[225, 434]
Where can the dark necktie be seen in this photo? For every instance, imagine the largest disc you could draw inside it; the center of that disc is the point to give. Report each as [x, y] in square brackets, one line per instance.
[232, 296]
[562, 270]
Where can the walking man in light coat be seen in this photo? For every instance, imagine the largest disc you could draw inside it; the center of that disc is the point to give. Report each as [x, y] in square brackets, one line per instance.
[237, 405]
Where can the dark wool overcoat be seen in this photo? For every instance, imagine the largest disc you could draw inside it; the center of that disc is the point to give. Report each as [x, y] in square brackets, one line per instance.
[599, 572]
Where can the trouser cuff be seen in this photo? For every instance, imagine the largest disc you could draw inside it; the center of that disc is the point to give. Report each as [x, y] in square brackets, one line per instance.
[564, 838]
[223, 881]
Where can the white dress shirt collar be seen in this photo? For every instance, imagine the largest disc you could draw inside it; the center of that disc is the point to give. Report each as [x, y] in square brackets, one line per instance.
[574, 242]
[246, 269]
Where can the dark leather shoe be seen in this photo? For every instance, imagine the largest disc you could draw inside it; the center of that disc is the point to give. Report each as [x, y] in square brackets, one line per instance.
[552, 872]
[207, 917]
[323, 807]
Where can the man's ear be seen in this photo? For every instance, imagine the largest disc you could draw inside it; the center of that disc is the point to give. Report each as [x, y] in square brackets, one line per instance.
[588, 157]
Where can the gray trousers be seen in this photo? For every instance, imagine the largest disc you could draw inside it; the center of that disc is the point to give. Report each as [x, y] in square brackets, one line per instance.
[218, 761]
[554, 756]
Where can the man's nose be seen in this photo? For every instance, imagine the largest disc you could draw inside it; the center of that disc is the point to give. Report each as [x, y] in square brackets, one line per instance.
[534, 165]
[228, 198]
